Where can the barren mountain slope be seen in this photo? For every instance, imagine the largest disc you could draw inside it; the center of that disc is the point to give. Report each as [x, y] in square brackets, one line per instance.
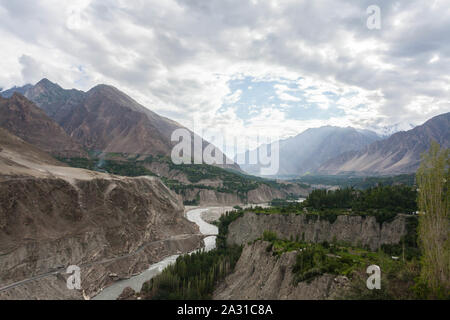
[53, 216]
[24, 119]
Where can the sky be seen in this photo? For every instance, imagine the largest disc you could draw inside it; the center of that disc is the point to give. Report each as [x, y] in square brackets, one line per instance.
[247, 69]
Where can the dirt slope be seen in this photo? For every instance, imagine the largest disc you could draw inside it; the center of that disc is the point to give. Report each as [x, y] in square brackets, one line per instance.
[356, 230]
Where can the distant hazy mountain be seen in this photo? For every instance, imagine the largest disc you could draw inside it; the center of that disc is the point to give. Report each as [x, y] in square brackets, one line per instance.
[8, 93]
[24, 119]
[105, 119]
[307, 151]
[400, 153]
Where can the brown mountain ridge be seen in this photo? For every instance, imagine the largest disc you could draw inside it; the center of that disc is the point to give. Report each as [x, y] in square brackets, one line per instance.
[105, 119]
[24, 119]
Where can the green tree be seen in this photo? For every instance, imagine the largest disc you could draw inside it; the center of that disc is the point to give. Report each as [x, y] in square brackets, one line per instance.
[433, 201]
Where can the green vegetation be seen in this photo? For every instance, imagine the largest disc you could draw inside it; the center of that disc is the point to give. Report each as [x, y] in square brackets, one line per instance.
[130, 169]
[233, 181]
[269, 236]
[408, 247]
[356, 182]
[433, 178]
[398, 279]
[193, 202]
[315, 260]
[280, 202]
[391, 198]
[383, 202]
[193, 276]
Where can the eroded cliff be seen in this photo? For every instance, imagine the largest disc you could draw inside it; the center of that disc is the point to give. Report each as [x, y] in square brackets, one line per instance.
[355, 230]
[260, 275]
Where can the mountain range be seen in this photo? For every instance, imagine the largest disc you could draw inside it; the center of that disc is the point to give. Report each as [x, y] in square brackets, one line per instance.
[72, 123]
[104, 119]
[400, 153]
[335, 150]
[306, 151]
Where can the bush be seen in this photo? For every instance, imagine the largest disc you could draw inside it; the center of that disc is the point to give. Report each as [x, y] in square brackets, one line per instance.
[269, 236]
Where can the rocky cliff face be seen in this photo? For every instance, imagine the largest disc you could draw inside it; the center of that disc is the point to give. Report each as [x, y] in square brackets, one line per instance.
[356, 230]
[53, 216]
[260, 276]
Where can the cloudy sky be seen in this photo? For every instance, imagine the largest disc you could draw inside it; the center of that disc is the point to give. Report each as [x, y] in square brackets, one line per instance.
[272, 68]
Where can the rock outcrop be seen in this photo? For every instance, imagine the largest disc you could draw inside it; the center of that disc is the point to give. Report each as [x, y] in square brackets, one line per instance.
[355, 230]
[260, 276]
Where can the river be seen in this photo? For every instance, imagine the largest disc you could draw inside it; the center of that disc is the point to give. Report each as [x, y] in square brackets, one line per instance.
[195, 215]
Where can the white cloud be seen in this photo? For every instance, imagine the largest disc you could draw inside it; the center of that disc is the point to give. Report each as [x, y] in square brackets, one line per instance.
[177, 57]
[282, 93]
[234, 97]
